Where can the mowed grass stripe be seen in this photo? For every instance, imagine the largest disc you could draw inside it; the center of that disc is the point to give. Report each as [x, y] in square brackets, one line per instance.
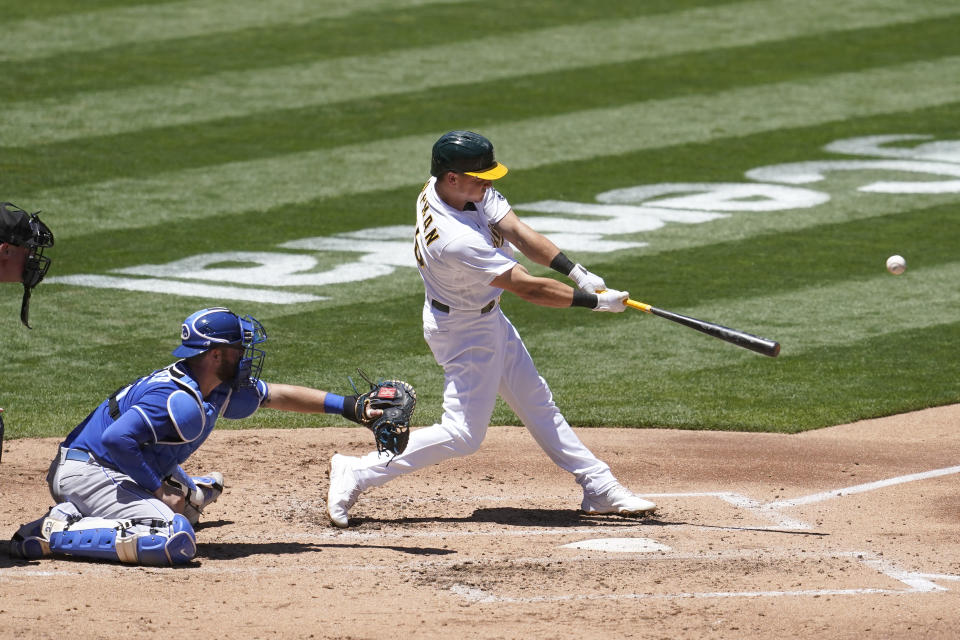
[241, 93]
[157, 62]
[77, 32]
[307, 128]
[301, 177]
[891, 373]
[836, 384]
[18, 11]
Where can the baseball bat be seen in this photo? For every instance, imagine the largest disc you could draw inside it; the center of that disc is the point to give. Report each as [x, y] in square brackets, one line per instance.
[741, 339]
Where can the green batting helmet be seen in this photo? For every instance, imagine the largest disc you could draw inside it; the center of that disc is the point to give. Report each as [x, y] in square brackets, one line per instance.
[465, 152]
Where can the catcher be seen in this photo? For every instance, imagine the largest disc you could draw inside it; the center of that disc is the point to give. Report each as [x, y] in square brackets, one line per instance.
[121, 493]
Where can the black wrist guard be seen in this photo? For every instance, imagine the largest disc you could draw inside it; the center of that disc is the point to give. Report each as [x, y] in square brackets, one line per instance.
[562, 263]
[350, 409]
[584, 299]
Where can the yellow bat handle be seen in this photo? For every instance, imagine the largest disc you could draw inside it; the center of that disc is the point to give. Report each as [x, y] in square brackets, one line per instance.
[643, 306]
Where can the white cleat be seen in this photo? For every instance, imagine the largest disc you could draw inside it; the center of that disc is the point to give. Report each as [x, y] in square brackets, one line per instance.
[616, 499]
[212, 480]
[344, 490]
[209, 488]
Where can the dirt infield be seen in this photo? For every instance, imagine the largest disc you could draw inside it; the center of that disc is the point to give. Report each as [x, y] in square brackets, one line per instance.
[847, 532]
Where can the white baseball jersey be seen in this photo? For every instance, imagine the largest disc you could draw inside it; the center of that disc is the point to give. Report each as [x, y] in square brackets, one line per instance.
[460, 252]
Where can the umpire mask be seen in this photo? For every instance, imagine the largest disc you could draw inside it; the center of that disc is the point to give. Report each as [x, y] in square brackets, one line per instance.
[22, 229]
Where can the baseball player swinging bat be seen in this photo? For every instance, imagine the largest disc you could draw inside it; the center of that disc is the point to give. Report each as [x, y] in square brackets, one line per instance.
[739, 338]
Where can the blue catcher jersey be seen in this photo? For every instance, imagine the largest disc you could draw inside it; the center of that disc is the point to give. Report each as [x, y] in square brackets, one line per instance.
[153, 424]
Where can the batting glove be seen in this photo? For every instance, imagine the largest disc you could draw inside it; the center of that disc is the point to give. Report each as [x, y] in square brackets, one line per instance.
[586, 281]
[611, 300]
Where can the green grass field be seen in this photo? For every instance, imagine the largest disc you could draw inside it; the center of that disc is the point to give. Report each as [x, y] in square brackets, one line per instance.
[247, 153]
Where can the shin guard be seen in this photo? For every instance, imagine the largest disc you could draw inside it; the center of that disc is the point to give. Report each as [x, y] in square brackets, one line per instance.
[121, 540]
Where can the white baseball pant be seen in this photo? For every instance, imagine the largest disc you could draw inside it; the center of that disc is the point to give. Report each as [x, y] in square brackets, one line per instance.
[482, 355]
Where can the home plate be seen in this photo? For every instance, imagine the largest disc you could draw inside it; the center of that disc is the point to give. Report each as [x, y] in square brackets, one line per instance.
[629, 545]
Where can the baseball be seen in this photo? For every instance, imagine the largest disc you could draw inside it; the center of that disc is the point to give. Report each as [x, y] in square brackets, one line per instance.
[896, 265]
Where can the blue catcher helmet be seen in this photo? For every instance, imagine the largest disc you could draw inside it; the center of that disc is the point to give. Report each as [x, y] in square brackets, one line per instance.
[208, 328]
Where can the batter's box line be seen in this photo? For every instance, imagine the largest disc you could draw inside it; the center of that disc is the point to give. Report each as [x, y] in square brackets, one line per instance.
[861, 488]
[772, 510]
[915, 583]
[758, 509]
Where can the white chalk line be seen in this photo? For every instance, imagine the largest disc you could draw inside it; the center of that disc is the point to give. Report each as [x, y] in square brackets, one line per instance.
[938, 576]
[479, 596]
[30, 571]
[758, 509]
[860, 488]
[771, 510]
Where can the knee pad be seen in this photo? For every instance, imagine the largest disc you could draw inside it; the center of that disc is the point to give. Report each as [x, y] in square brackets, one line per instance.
[121, 540]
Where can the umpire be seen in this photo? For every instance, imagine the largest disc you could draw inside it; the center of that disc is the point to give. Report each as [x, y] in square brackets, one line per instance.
[23, 237]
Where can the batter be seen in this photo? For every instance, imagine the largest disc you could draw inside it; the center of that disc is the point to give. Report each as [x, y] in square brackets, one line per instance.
[462, 244]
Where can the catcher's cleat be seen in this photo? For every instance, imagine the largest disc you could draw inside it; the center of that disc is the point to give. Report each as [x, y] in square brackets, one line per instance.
[32, 540]
[209, 488]
[28, 547]
[616, 499]
[344, 490]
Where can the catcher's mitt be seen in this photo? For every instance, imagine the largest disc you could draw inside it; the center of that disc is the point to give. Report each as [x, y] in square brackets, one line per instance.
[397, 399]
